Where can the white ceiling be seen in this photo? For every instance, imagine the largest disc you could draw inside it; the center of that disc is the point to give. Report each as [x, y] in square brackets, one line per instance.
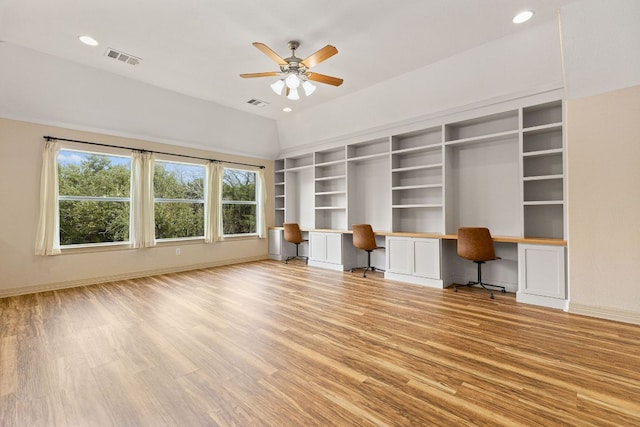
[199, 47]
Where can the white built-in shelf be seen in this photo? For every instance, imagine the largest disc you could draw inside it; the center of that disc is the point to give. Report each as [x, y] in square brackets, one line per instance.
[543, 128]
[415, 168]
[483, 138]
[326, 193]
[542, 177]
[421, 174]
[328, 208]
[368, 157]
[544, 202]
[298, 168]
[416, 187]
[331, 163]
[330, 178]
[418, 205]
[541, 153]
[418, 149]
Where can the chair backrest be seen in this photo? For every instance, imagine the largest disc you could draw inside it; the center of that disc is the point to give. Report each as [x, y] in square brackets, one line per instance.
[476, 244]
[292, 233]
[363, 237]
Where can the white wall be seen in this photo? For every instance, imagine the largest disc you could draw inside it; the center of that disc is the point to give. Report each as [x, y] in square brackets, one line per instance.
[41, 88]
[601, 46]
[527, 61]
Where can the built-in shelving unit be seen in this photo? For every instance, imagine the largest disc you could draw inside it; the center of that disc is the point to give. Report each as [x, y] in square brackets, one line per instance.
[543, 170]
[503, 169]
[417, 181]
[279, 192]
[330, 185]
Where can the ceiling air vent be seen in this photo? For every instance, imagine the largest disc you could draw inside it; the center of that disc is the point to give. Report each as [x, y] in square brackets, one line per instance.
[122, 57]
[257, 102]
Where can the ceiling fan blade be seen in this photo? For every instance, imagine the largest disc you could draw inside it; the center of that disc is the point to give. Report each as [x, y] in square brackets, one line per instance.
[271, 54]
[266, 74]
[323, 78]
[322, 55]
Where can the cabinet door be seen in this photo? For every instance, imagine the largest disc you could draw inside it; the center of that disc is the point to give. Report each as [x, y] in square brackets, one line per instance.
[333, 248]
[399, 255]
[426, 258]
[542, 270]
[275, 243]
[317, 246]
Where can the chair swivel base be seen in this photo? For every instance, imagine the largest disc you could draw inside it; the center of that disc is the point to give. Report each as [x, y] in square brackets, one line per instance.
[305, 258]
[484, 286]
[365, 269]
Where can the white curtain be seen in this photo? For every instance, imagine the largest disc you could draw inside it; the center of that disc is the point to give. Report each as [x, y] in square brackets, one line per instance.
[48, 233]
[213, 207]
[262, 204]
[142, 217]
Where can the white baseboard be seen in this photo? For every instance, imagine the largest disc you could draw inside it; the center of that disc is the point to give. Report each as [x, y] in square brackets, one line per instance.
[608, 313]
[125, 276]
[327, 265]
[432, 283]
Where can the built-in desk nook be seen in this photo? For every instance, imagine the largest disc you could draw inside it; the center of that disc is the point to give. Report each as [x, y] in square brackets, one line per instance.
[533, 268]
[500, 166]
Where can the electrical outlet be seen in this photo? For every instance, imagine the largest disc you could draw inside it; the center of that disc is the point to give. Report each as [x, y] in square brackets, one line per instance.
[178, 251]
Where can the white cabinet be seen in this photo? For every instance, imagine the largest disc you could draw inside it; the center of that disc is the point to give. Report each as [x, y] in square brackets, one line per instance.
[280, 249]
[275, 244]
[325, 250]
[541, 271]
[414, 260]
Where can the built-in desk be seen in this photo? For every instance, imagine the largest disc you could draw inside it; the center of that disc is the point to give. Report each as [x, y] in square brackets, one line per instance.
[533, 268]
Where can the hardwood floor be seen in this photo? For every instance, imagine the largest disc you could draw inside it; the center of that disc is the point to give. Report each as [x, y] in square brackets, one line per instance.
[269, 344]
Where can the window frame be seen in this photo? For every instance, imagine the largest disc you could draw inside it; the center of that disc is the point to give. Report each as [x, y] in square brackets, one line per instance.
[169, 159]
[104, 151]
[255, 203]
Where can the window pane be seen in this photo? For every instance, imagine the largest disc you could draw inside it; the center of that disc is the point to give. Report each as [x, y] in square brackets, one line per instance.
[83, 222]
[175, 220]
[178, 181]
[239, 219]
[239, 185]
[94, 175]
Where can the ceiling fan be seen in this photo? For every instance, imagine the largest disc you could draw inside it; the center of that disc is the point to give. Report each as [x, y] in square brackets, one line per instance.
[295, 71]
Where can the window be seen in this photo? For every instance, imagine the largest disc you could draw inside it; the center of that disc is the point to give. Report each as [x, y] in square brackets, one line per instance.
[179, 200]
[93, 197]
[239, 202]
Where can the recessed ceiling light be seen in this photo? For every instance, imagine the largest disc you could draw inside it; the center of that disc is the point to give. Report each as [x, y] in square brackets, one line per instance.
[523, 16]
[88, 40]
[287, 109]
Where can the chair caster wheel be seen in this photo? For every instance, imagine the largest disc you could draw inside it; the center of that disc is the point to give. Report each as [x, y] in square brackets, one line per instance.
[503, 291]
[491, 296]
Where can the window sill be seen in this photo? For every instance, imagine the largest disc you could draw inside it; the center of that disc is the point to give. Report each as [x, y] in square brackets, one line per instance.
[248, 236]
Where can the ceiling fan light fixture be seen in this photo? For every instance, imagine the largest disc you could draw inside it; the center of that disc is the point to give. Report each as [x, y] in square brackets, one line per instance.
[292, 81]
[277, 86]
[308, 87]
[293, 94]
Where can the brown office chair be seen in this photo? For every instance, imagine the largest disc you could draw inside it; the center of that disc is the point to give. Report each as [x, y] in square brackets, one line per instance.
[364, 238]
[292, 234]
[476, 244]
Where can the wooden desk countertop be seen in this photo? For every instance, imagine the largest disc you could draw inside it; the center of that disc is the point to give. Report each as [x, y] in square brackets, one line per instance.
[502, 239]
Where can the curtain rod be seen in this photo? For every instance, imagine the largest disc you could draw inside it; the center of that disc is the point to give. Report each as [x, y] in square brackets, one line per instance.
[53, 138]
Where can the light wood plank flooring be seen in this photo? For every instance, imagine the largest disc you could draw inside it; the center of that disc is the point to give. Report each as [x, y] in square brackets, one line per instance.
[269, 344]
